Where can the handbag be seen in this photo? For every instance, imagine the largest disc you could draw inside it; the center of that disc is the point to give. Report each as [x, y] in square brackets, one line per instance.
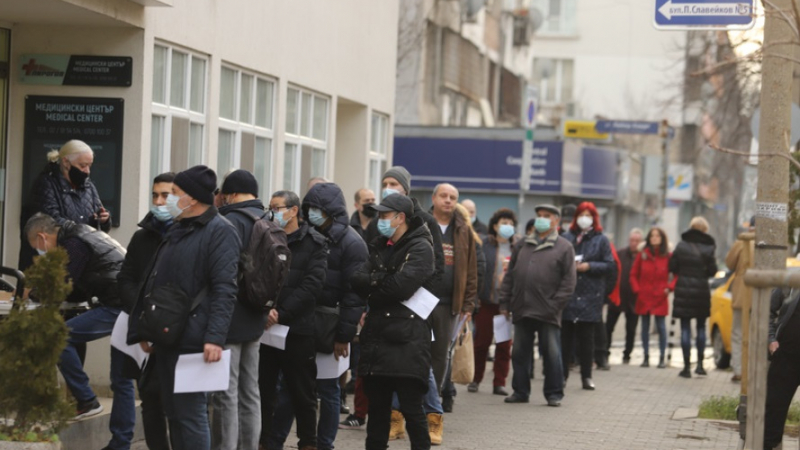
[165, 312]
[326, 319]
[463, 362]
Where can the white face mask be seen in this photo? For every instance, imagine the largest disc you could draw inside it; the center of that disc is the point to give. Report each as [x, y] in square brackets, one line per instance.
[585, 222]
[38, 250]
[172, 206]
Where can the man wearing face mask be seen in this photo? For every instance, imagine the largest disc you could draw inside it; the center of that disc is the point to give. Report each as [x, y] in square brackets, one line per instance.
[364, 214]
[141, 250]
[200, 256]
[326, 210]
[94, 263]
[536, 288]
[477, 225]
[295, 309]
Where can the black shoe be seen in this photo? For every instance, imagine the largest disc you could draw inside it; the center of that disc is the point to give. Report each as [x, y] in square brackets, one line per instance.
[344, 409]
[603, 365]
[514, 398]
[626, 360]
[553, 402]
[88, 409]
[685, 373]
[472, 387]
[447, 404]
[500, 390]
[351, 423]
[700, 371]
[645, 363]
[662, 365]
[588, 384]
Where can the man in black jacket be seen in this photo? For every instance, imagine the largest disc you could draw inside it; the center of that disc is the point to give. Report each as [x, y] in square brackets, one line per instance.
[94, 262]
[295, 309]
[199, 256]
[141, 250]
[237, 412]
[363, 214]
[783, 377]
[627, 298]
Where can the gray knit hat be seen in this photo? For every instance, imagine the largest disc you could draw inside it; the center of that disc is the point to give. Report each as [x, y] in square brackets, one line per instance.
[400, 174]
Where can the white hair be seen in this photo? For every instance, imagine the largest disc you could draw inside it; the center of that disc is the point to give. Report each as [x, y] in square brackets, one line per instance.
[638, 231]
[71, 150]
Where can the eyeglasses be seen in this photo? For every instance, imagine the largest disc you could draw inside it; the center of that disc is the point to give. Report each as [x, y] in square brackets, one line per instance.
[277, 208]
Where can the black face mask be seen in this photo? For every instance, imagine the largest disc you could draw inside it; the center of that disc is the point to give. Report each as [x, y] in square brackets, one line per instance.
[367, 211]
[77, 177]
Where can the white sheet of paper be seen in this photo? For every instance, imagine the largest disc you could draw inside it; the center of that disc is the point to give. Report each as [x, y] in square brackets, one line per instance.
[422, 303]
[192, 374]
[502, 329]
[275, 336]
[119, 337]
[578, 258]
[328, 367]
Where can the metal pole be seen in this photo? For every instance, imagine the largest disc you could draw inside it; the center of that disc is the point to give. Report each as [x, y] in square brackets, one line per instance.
[771, 201]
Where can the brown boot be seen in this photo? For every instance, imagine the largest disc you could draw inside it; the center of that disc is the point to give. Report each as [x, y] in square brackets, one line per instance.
[436, 428]
[398, 426]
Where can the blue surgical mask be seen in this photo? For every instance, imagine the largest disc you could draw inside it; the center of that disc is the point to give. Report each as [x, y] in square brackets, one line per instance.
[278, 217]
[385, 227]
[172, 206]
[315, 217]
[387, 192]
[542, 224]
[161, 213]
[506, 231]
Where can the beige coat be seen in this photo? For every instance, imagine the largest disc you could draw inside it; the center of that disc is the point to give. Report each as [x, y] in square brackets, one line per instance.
[739, 259]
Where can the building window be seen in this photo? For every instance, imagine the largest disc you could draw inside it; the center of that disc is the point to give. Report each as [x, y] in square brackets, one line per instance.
[306, 147]
[177, 139]
[555, 78]
[246, 130]
[559, 16]
[378, 149]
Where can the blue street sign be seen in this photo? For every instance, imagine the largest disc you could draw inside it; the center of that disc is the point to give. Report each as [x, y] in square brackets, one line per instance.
[704, 14]
[627, 127]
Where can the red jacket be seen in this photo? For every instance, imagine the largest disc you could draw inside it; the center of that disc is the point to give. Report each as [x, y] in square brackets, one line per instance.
[649, 280]
[614, 296]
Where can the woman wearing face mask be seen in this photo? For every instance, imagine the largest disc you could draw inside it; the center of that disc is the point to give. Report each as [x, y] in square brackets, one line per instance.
[593, 262]
[497, 249]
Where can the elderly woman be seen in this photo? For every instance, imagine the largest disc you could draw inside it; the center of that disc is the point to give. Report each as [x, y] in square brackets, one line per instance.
[693, 263]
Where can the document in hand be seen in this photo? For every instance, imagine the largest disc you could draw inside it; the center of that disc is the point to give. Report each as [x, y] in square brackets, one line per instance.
[328, 367]
[275, 336]
[193, 374]
[502, 329]
[422, 303]
[119, 337]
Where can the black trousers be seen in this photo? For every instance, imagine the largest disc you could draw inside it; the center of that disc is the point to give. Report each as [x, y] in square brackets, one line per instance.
[631, 321]
[154, 420]
[600, 344]
[582, 334]
[783, 379]
[299, 367]
[410, 393]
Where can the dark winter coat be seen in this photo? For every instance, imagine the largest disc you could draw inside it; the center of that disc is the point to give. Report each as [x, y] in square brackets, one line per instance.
[693, 263]
[783, 304]
[247, 324]
[355, 222]
[649, 280]
[306, 281]
[99, 277]
[348, 252]
[490, 256]
[626, 295]
[56, 197]
[481, 262]
[141, 250]
[592, 287]
[434, 283]
[395, 341]
[197, 253]
[480, 227]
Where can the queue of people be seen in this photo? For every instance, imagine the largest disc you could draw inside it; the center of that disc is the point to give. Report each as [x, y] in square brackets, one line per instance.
[342, 285]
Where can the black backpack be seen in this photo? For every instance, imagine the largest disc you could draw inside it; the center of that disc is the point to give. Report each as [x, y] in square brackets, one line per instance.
[264, 265]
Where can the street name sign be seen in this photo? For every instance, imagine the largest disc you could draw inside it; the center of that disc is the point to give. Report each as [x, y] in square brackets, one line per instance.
[704, 14]
[627, 127]
[582, 129]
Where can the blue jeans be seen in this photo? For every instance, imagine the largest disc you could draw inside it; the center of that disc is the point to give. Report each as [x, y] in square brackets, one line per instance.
[661, 326]
[430, 403]
[329, 393]
[686, 339]
[87, 327]
[187, 413]
[522, 355]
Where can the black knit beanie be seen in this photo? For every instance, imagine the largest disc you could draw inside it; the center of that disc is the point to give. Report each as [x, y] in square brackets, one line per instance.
[199, 182]
[240, 182]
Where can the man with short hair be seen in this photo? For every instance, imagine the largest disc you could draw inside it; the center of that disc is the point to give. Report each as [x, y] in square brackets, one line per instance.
[200, 257]
[94, 263]
[236, 421]
[295, 309]
[364, 214]
[538, 284]
[477, 225]
[459, 286]
[141, 250]
[627, 298]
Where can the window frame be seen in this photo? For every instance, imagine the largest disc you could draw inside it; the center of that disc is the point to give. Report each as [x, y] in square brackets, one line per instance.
[558, 78]
[299, 140]
[379, 156]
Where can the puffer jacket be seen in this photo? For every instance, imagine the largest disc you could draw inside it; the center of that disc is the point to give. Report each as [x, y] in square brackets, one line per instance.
[693, 263]
[141, 251]
[649, 280]
[197, 253]
[247, 324]
[56, 197]
[306, 281]
[395, 341]
[347, 253]
[592, 288]
[99, 278]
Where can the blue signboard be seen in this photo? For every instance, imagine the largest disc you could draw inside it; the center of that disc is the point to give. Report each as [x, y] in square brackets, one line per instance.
[704, 14]
[599, 172]
[478, 164]
[627, 127]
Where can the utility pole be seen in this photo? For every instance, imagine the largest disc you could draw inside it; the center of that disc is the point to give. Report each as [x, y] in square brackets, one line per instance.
[771, 201]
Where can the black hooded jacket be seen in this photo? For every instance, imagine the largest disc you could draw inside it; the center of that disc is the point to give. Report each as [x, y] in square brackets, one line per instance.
[141, 250]
[693, 263]
[347, 252]
[306, 280]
